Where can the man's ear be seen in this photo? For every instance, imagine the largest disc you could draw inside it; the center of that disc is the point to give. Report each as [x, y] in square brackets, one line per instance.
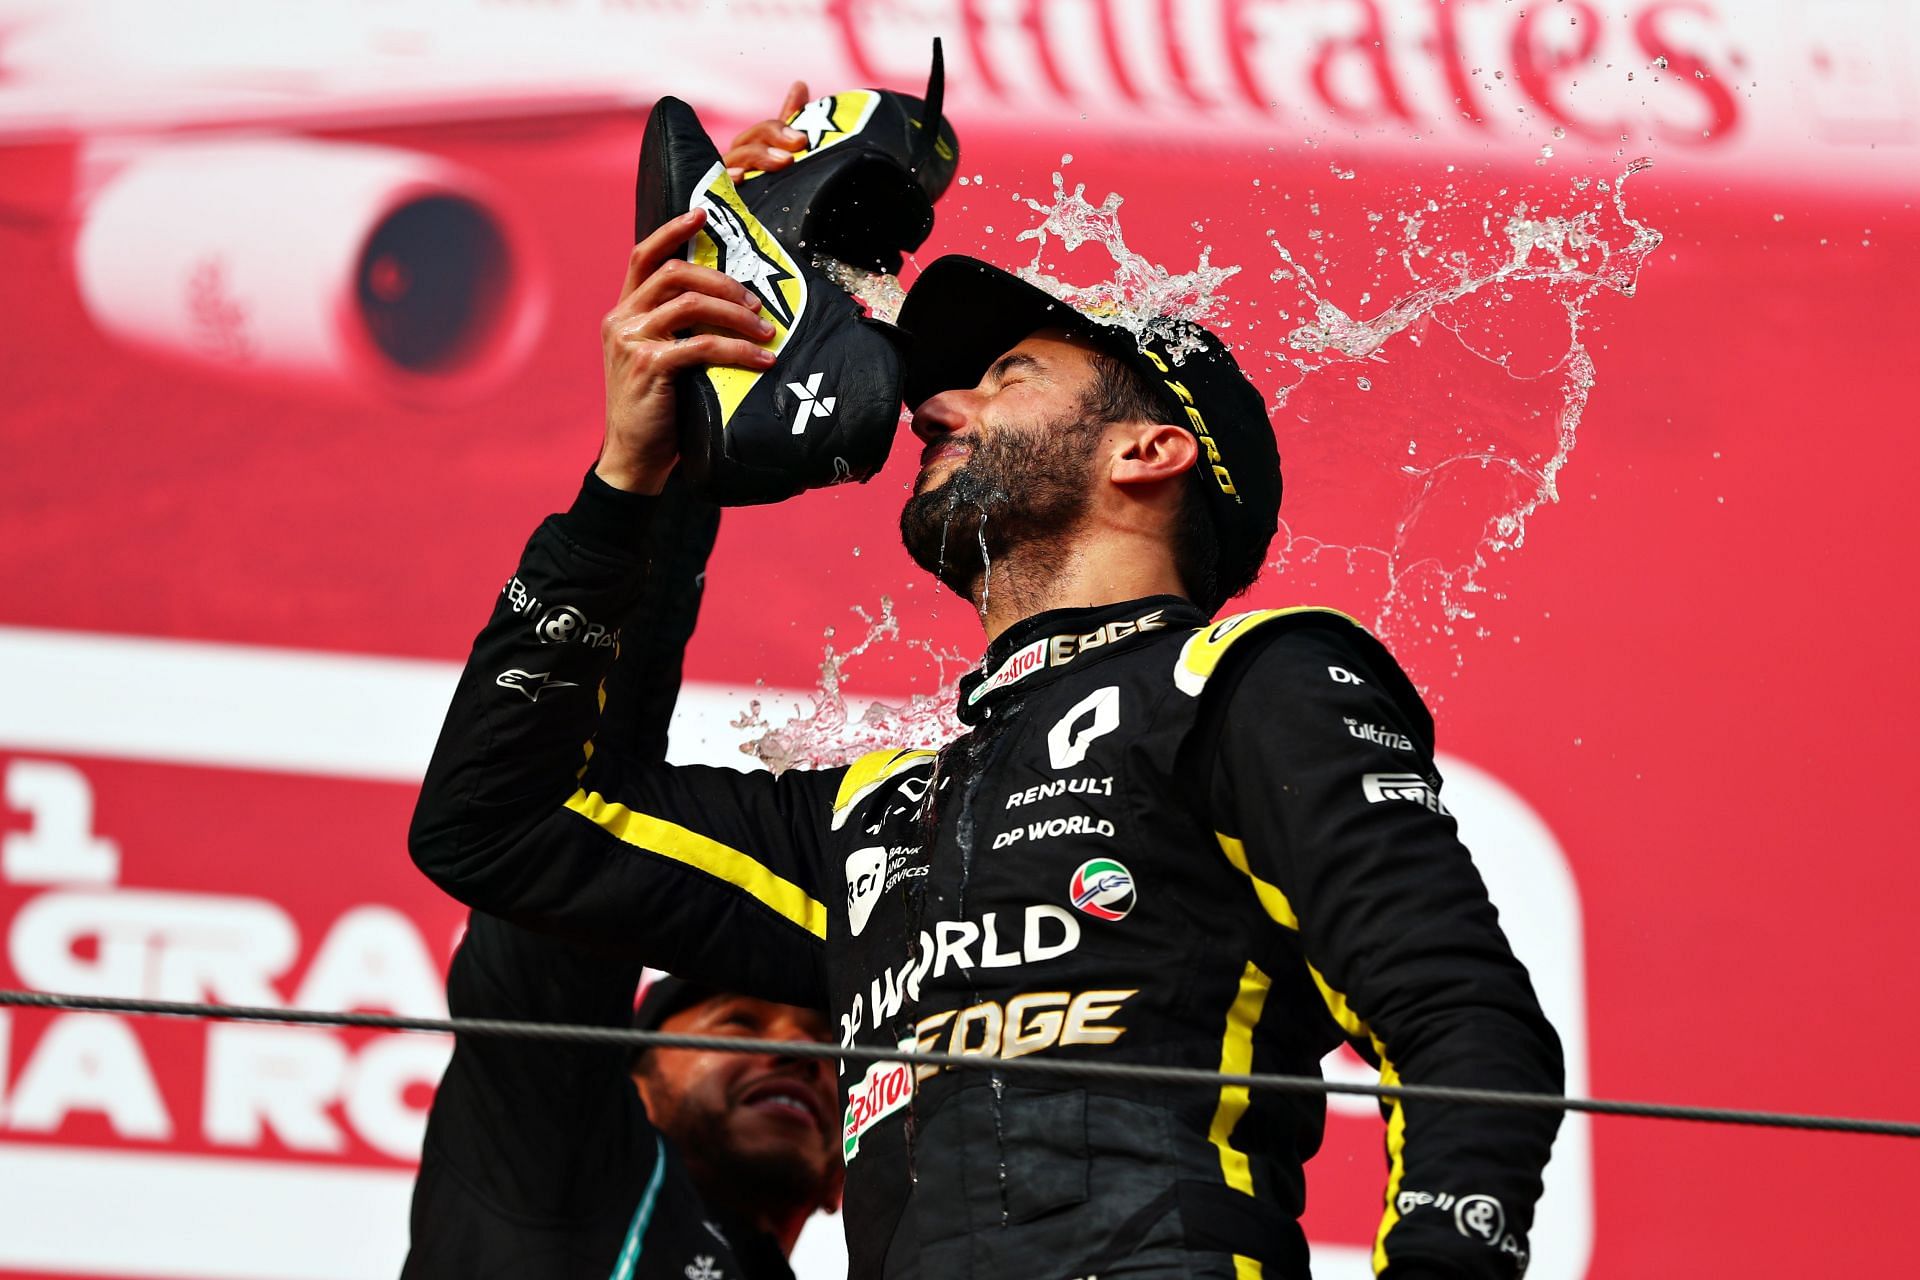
[1150, 452]
[638, 1074]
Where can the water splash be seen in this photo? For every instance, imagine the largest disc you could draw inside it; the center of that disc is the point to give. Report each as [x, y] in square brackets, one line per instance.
[1570, 242]
[880, 293]
[1409, 475]
[828, 733]
[1515, 303]
[1141, 296]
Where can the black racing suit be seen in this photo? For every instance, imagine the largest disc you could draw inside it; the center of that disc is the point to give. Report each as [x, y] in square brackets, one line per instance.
[1160, 842]
[540, 1162]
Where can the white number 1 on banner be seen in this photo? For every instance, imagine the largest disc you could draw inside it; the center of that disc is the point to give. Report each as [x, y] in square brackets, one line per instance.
[61, 848]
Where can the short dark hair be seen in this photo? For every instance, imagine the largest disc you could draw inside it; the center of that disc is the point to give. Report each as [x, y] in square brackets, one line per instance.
[1121, 393]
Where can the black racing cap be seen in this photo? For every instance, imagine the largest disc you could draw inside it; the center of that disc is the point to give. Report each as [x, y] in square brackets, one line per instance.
[665, 996]
[963, 314]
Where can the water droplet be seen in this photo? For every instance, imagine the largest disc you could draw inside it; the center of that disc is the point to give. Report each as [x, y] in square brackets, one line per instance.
[1660, 63]
[1365, 384]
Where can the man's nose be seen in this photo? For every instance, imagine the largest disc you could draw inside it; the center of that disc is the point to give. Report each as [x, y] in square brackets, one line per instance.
[806, 1027]
[943, 415]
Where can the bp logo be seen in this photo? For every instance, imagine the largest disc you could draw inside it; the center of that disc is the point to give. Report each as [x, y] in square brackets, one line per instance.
[1103, 889]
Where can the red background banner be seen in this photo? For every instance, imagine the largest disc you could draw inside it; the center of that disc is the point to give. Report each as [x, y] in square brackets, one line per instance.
[235, 586]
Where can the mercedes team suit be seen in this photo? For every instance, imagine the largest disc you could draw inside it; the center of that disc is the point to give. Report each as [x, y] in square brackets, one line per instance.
[539, 1161]
[1161, 842]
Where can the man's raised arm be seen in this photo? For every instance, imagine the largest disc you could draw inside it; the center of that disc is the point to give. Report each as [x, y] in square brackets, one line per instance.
[527, 812]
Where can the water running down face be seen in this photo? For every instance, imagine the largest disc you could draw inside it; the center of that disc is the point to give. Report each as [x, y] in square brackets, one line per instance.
[1007, 465]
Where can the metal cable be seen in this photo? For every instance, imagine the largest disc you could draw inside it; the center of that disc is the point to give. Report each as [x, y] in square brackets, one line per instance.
[1136, 1073]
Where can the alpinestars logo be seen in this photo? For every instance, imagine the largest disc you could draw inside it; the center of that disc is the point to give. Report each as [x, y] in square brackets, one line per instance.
[531, 683]
[831, 120]
[812, 403]
[816, 121]
[1402, 786]
[742, 259]
[1103, 889]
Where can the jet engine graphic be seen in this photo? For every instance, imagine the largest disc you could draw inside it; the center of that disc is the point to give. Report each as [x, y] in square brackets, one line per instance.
[379, 269]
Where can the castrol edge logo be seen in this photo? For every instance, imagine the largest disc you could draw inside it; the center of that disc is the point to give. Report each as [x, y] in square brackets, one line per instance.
[1057, 651]
[887, 1087]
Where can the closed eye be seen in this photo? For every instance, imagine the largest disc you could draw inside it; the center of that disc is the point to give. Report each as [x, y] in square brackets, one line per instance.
[1012, 367]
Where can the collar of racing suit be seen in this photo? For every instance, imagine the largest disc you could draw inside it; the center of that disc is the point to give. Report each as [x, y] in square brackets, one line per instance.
[1038, 650]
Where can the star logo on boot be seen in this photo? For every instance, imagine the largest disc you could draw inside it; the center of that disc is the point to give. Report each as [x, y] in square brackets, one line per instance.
[816, 120]
[743, 259]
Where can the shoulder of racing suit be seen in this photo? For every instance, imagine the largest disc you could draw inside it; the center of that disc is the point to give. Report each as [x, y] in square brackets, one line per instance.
[866, 776]
[1216, 656]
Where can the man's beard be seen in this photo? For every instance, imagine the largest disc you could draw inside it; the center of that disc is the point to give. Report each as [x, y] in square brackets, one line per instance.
[741, 1183]
[1005, 507]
